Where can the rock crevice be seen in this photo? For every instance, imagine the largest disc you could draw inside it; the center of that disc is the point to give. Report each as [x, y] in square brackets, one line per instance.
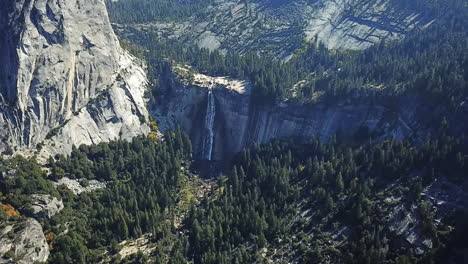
[240, 122]
[63, 66]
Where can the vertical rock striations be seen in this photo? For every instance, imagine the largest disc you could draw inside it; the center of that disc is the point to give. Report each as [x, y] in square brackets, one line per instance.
[282, 27]
[64, 77]
[358, 24]
[240, 123]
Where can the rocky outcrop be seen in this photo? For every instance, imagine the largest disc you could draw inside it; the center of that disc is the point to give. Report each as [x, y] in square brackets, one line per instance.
[240, 123]
[446, 196]
[358, 24]
[78, 187]
[282, 27]
[45, 206]
[405, 221]
[23, 242]
[64, 79]
[228, 25]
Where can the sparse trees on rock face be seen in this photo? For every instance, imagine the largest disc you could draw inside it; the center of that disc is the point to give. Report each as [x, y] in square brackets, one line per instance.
[428, 63]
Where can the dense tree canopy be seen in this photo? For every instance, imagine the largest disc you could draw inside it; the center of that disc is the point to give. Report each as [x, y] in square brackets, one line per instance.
[141, 11]
[282, 194]
[335, 184]
[142, 178]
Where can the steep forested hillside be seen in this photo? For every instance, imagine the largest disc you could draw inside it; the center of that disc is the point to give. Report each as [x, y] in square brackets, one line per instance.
[430, 63]
[281, 27]
[140, 11]
[143, 179]
[363, 198]
[282, 202]
[314, 203]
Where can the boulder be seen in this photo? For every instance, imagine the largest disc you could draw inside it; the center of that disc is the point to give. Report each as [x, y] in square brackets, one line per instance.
[23, 242]
[46, 205]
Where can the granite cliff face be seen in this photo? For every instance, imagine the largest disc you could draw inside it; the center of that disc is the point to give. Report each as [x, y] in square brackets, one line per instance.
[358, 24]
[184, 104]
[240, 123]
[282, 27]
[64, 79]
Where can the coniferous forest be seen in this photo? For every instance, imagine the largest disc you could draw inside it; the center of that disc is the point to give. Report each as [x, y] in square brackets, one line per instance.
[365, 200]
[256, 204]
[430, 63]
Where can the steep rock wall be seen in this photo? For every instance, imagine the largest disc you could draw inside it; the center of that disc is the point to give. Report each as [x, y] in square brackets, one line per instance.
[242, 124]
[239, 123]
[64, 78]
[358, 24]
[183, 104]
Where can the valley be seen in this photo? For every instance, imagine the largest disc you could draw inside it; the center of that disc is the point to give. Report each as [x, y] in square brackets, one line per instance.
[229, 132]
[243, 26]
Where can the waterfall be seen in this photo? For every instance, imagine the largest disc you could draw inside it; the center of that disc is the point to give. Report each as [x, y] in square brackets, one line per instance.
[209, 126]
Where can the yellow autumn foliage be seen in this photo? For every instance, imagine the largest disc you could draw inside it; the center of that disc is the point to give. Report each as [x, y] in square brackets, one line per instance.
[152, 135]
[50, 236]
[153, 125]
[9, 210]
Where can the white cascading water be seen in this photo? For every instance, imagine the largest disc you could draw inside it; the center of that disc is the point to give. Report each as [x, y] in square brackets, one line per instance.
[209, 127]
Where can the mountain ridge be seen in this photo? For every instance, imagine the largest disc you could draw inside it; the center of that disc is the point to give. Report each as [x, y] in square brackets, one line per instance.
[281, 29]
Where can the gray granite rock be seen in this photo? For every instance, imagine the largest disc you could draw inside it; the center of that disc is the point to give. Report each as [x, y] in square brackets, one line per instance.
[25, 241]
[64, 79]
[239, 123]
[358, 24]
[77, 187]
[45, 205]
[282, 27]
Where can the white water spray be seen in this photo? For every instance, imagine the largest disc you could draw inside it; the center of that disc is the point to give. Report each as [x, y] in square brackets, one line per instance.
[209, 127]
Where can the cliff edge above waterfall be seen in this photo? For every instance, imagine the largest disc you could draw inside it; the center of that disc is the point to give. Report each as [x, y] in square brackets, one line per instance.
[240, 122]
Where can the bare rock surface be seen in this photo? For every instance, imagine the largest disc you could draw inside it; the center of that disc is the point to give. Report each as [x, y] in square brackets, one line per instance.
[282, 27]
[46, 205]
[239, 123]
[358, 24]
[64, 79]
[77, 187]
[24, 242]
